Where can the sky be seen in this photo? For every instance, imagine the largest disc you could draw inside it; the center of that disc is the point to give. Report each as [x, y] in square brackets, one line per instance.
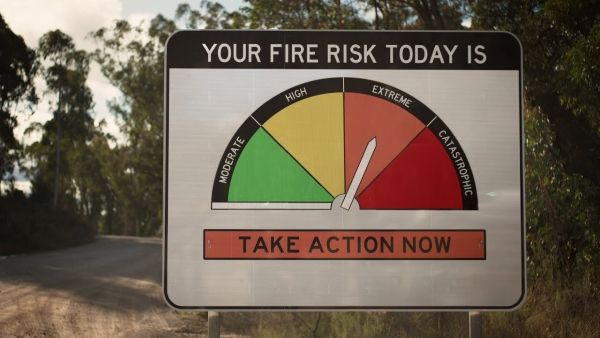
[32, 18]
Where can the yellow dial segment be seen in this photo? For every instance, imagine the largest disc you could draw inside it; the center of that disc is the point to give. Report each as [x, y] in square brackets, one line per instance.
[312, 131]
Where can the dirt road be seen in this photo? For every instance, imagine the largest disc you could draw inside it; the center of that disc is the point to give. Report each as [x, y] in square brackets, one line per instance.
[109, 288]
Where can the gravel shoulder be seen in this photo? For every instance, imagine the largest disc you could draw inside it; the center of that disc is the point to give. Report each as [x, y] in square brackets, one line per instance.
[109, 288]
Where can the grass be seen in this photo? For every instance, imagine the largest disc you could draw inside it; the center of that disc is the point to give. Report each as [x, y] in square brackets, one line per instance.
[549, 311]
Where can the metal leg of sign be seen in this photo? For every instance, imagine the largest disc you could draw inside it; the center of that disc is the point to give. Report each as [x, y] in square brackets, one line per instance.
[475, 326]
[214, 324]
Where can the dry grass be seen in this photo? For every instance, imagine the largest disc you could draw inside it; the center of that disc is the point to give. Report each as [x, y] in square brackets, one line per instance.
[548, 312]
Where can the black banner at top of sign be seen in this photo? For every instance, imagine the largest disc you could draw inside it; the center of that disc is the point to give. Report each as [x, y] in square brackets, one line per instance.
[287, 49]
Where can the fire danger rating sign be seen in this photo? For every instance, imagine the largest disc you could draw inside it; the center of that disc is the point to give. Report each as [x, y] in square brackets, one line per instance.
[343, 170]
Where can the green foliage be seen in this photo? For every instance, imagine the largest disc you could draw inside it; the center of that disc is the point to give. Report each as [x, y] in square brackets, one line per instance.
[17, 70]
[416, 14]
[63, 164]
[210, 15]
[132, 59]
[560, 43]
[562, 213]
[323, 14]
[266, 14]
[63, 161]
[580, 83]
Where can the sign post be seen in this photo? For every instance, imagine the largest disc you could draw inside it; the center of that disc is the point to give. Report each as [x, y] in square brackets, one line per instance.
[214, 324]
[343, 170]
[475, 325]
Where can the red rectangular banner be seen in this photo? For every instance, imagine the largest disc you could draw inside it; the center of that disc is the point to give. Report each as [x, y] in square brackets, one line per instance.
[344, 244]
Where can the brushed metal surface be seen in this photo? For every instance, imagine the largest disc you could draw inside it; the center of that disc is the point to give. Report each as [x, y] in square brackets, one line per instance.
[481, 107]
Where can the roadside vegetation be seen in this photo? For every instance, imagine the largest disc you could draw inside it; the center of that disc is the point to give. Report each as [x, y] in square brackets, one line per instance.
[85, 182]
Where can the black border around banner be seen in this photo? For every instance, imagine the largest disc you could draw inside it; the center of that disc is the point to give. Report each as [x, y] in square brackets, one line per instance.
[464, 34]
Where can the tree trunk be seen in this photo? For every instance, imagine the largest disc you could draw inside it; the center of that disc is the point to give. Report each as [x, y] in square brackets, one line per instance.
[57, 166]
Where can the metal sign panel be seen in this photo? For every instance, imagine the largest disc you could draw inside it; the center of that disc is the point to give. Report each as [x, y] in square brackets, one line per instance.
[343, 170]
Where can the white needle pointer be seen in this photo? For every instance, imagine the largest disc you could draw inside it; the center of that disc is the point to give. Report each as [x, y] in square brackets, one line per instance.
[360, 172]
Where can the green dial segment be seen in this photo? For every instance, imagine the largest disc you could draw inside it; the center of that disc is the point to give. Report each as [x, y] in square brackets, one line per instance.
[266, 172]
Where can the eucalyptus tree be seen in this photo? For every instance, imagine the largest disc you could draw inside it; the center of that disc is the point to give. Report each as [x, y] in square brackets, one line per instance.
[18, 68]
[132, 59]
[63, 163]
